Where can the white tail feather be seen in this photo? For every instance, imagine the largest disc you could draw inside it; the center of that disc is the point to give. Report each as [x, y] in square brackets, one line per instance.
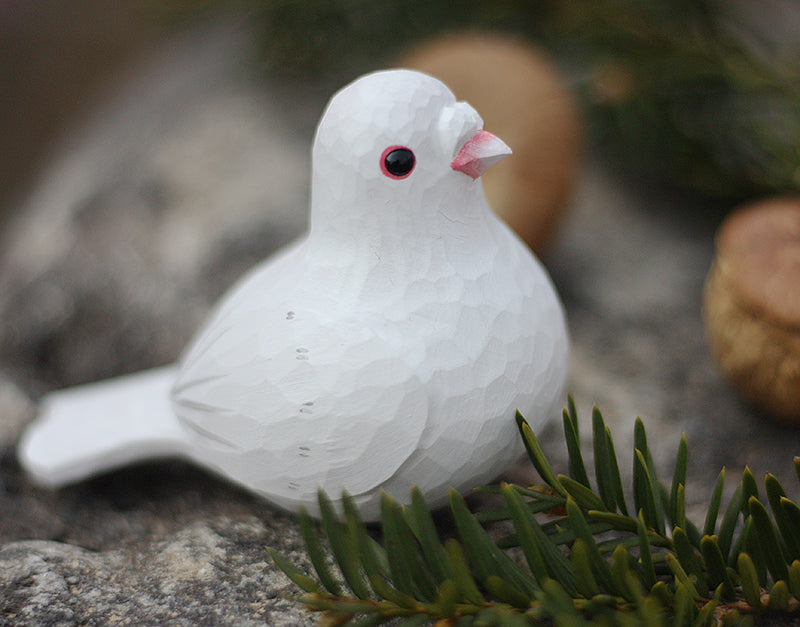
[83, 430]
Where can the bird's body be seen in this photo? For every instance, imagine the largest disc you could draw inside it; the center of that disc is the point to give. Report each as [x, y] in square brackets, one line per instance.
[390, 347]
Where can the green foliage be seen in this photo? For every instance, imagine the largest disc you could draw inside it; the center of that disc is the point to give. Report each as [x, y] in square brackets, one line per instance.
[690, 92]
[319, 37]
[676, 88]
[572, 554]
[681, 90]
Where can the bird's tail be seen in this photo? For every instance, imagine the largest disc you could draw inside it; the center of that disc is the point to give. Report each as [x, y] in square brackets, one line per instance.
[92, 428]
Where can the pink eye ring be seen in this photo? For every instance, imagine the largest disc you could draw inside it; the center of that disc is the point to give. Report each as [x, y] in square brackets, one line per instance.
[397, 162]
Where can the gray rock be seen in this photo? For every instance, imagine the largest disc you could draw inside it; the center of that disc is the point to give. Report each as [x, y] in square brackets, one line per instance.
[17, 411]
[144, 216]
[210, 571]
[194, 172]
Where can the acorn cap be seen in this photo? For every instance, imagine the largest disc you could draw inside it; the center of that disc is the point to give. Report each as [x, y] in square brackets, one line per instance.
[752, 303]
[762, 245]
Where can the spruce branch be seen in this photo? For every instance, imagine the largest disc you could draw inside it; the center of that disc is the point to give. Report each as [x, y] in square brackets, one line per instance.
[575, 553]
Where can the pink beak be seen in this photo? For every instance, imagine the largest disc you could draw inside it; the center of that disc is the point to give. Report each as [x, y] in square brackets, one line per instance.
[479, 154]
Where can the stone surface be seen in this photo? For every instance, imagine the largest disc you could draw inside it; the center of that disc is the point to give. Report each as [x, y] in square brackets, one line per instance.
[182, 555]
[143, 218]
[146, 215]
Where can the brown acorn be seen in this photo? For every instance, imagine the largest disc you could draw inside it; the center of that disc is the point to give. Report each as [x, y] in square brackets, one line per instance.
[523, 100]
[752, 304]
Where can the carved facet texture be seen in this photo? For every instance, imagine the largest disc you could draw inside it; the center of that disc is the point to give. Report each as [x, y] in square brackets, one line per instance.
[389, 347]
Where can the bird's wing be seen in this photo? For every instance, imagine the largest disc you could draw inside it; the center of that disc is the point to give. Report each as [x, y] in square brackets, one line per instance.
[285, 396]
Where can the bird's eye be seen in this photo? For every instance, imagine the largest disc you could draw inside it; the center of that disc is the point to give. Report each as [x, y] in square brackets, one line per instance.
[397, 162]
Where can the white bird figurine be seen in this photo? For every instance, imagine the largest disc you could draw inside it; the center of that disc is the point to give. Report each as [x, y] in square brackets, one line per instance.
[389, 347]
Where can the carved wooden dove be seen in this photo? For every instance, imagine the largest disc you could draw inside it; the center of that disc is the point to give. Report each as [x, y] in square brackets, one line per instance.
[389, 347]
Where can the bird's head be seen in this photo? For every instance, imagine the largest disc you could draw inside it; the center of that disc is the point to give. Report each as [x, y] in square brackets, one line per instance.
[395, 147]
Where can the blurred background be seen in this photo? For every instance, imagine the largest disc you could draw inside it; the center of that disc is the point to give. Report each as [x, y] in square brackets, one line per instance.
[57, 62]
[702, 94]
[152, 151]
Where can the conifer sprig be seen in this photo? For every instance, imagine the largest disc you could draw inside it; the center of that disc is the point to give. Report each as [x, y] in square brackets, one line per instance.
[577, 553]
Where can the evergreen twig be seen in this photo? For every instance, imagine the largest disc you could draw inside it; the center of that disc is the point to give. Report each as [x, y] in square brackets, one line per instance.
[582, 558]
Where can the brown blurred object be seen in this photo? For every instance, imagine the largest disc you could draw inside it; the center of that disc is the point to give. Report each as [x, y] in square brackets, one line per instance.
[522, 98]
[56, 58]
[752, 303]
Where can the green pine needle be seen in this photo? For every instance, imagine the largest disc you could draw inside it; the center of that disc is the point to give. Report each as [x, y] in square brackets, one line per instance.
[574, 555]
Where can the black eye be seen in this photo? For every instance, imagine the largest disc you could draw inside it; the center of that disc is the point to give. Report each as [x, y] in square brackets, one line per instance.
[397, 162]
